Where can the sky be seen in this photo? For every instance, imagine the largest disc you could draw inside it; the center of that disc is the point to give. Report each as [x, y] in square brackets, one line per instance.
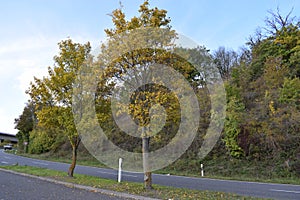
[31, 29]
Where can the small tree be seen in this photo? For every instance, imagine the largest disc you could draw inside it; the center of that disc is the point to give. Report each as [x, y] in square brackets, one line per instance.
[53, 94]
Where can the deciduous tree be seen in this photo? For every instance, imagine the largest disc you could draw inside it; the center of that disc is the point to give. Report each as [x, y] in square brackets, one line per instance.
[53, 94]
[136, 66]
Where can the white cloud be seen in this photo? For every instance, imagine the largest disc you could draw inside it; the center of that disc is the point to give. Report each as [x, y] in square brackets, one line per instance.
[21, 60]
[24, 44]
[6, 127]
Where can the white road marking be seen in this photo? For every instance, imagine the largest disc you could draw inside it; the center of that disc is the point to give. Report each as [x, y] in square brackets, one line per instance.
[4, 162]
[40, 163]
[128, 175]
[116, 173]
[107, 173]
[9, 158]
[287, 191]
[133, 172]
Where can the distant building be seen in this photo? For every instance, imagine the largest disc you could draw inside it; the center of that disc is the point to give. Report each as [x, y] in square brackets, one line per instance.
[8, 137]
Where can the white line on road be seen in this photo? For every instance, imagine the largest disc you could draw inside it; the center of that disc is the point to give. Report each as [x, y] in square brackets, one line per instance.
[4, 162]
[106, 173]
[40, 163]
[115, 173]
[7, 157]
[129, 175]
[287, 191]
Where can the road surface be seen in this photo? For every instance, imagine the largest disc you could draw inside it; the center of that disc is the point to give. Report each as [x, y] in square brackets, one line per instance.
[13, 186]
[263, 190]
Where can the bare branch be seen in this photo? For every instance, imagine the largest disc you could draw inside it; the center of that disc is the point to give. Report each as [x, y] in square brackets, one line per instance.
[277, 21]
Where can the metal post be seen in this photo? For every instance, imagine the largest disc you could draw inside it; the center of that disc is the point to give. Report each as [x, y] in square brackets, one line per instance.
[120, 170]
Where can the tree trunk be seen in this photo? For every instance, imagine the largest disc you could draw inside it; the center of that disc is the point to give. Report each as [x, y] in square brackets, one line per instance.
[147, 172]
[74, 159]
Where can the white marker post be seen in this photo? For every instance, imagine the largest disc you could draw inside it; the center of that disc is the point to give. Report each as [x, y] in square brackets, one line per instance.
[202, 171]
[120, 170]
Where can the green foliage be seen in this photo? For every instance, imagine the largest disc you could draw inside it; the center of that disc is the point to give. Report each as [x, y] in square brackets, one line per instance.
[290, 92]
[232, 128]
[41, 141]
[263, 95]
[284, 44]
[27, 119]
[25, 124]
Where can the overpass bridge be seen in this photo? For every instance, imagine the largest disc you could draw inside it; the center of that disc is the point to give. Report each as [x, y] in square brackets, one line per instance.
[8, 137]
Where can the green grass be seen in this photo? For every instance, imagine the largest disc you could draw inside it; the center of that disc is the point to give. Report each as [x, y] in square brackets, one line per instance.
[161, 192]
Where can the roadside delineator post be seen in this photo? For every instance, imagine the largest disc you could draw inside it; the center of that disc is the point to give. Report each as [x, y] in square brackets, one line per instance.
[202, 171]
[120, 170]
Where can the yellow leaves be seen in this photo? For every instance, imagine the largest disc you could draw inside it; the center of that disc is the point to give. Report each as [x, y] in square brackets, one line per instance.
[134, 23]
[271, 107]
[149, 17]
[53, 94]
[289, 36]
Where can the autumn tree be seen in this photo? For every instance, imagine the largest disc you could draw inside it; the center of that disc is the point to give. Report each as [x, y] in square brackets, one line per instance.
[52, 95]
[137, 70]
[137, 60]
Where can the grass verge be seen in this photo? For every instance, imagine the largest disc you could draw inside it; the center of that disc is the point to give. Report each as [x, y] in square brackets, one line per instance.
[161, 192]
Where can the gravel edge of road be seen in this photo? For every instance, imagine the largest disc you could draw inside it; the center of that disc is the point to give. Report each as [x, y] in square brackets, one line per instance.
[83, 187]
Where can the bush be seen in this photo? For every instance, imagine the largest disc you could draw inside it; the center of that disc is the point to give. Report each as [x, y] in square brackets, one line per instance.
[41, 141]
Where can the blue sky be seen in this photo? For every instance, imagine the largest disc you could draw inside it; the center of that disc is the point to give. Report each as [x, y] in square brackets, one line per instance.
[31, 29]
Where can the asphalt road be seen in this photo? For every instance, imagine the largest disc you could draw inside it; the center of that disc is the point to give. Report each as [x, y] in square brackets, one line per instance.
[13, 186]
[263, 190]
